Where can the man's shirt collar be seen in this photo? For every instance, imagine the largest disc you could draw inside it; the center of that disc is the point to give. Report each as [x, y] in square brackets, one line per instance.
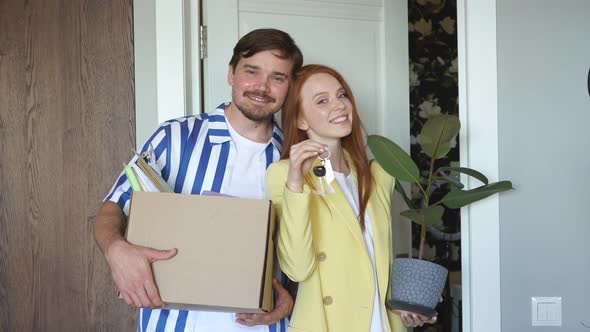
[219, 131]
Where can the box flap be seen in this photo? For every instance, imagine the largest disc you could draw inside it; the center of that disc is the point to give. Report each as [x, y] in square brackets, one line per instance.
[267, 296]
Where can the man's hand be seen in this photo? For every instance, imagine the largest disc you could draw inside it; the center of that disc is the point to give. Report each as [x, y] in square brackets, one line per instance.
[130, 265]
[132, 272]
[283, 307]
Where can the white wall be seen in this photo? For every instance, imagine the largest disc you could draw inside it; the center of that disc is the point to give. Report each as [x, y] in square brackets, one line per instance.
[543, 118]
[523, 67]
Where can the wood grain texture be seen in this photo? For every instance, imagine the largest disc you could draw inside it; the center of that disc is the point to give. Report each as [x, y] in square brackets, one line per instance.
[66, 123]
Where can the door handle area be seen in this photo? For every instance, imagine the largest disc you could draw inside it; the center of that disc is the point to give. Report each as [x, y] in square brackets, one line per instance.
[588, 81]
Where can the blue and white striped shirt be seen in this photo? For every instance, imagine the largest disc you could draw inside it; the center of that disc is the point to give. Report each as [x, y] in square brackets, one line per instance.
[193, 154]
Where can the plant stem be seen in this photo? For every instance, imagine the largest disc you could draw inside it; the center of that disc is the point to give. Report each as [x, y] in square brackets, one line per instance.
[429, 183]
[439, 202]
[423, 192]
[422, 240]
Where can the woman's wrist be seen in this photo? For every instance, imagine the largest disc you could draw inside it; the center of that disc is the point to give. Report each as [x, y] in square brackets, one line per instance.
[295, 186]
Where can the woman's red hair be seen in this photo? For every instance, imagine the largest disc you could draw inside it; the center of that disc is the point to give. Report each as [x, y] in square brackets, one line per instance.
[353, 143]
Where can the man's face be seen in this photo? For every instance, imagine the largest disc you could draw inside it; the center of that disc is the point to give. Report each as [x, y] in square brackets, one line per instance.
[260, 84]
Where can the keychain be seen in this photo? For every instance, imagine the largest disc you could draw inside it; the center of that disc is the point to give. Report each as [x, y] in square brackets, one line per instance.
[319, 171]
[325, 175]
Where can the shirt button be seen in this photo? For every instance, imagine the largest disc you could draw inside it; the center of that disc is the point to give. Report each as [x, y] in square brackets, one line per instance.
[328, 300]
[322, 256]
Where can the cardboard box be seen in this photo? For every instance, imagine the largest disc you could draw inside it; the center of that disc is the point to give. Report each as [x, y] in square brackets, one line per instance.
[225, 249]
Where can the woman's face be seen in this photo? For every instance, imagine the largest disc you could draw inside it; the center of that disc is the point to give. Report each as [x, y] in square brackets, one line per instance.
[326, 110]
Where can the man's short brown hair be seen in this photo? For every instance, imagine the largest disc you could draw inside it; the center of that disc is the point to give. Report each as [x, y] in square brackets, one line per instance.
[260, 40]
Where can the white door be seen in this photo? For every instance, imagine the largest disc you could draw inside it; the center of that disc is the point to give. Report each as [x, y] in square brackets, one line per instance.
[350, 35]
[365, 40]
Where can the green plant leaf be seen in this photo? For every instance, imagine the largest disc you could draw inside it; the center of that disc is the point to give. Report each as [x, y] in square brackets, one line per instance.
[437, 134]
[427, 216]
[400, 189]
[460, 198]
[448, 124]
[465, 170]
[428, 147]
[393, 159]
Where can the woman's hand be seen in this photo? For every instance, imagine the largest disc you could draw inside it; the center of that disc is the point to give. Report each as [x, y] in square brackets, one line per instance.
[301, 158]
[410, 319]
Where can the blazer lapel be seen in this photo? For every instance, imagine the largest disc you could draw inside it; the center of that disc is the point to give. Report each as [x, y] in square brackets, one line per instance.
[379, 222]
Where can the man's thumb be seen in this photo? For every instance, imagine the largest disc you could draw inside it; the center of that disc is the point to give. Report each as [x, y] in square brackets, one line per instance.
[157, 255]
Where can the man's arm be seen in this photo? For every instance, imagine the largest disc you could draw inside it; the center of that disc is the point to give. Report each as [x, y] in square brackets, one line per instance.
[130, 264]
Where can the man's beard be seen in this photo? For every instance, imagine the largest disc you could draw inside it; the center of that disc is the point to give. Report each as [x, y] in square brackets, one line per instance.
[252, 112]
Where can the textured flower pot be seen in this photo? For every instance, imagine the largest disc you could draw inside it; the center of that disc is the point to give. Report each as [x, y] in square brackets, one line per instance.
[416, 286]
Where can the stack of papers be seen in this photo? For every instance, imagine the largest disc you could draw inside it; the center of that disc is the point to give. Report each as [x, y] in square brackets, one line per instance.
[143, 175]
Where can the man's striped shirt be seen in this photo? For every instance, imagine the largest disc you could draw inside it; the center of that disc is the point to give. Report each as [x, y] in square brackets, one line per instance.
[193, 154]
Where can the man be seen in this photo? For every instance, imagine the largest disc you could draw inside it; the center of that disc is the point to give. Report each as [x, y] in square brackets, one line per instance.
[227, 151]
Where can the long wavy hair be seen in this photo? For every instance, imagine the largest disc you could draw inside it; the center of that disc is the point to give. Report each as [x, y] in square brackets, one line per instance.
[352, 143]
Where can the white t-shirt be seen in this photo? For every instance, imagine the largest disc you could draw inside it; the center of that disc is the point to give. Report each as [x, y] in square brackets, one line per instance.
[245, 178]
[350, 190]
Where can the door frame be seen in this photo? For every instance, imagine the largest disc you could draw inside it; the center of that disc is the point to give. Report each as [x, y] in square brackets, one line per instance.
[478, 109]
[165, 41]
[163, 91]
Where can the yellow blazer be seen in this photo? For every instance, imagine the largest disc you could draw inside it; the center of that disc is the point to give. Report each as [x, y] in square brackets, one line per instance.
[321, 246]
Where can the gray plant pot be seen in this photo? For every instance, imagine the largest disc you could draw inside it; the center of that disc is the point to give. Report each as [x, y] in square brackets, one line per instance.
[416, 285]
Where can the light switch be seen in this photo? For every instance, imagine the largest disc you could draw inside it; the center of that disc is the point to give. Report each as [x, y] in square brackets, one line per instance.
[546, 311]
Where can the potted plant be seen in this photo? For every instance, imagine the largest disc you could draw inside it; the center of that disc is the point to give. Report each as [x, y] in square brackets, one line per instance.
[417, 284]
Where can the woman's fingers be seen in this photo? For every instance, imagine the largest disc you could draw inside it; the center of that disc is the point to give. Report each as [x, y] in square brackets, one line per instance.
[300, 160]
[308, 145]
[410, 319]
[304, 151]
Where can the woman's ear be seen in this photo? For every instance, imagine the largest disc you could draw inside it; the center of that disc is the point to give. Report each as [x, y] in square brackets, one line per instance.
[302, 124]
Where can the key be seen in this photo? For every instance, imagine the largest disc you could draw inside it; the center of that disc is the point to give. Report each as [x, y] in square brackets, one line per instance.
[319, 171]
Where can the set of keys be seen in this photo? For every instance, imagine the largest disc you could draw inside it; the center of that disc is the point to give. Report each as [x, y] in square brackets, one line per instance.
[324, 174]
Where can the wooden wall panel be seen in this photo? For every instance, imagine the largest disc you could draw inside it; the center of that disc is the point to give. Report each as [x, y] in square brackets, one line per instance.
[66, 124]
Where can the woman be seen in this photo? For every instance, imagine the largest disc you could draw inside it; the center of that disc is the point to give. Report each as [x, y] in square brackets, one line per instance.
[336, 245]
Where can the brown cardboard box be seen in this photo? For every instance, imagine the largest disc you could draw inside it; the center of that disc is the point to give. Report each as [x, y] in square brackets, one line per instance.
[225, 249]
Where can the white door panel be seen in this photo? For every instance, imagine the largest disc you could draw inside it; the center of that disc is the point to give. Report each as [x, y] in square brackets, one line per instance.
[355, 10]
[221, 19]
[354, 2]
